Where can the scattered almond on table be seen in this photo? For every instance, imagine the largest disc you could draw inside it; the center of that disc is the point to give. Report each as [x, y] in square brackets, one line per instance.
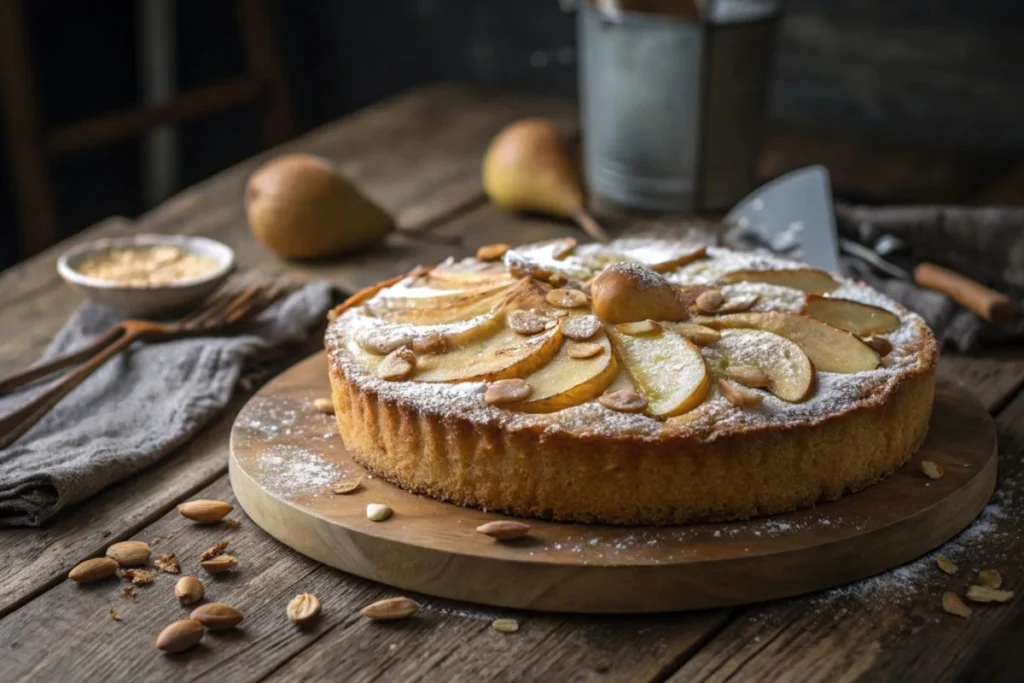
[505, 625]
[215, 550]
[391, 608]
[189, 590]
[129, 553]
[217, 616]
[343, 488]
[114, 614]
[180, 636]
[303, 609]
[92, 570]
[324, 405]
[990, 578]
[219, 564]
[138, 577]
[504, 529]
[205, 511]
[168, 564]
[378, 512]
[946, 564]
[931, 469]
[952, 604]
[986, 594]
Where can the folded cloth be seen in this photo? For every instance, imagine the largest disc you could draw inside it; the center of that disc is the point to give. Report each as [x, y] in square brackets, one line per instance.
[986, 244]
[137, 407]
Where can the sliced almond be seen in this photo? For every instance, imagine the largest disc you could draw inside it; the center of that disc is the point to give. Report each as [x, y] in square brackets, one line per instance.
[392, 608]
[946, 565]
[881, 345]
[343, 488]
[748, 375]
[397, 365]
[504, 391]
[566, 298]
[378, 512]
[217, 616]
[505, 625]
[698, 334]
[623, 401]
[324, 405]
[581, 327]
[639, 327]
[219, 564]
[738, 395]
[92, 570]
[738, 303]
[303, 609]
[180, 636]
[709, 301]
[168, 564]
[129, 553]
[990, 578]
[492, 252]
[430, 343]
[986, 594]
[583, 349]
[189, 590]
[932, 470]
[504, 529]
[526, 322]
[952, 604]
[383, 344]
[205, 511]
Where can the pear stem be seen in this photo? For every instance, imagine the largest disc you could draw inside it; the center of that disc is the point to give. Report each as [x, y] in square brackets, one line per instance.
[589, 225]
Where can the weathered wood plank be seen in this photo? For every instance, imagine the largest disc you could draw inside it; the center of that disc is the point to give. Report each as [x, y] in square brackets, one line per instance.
[890, 627]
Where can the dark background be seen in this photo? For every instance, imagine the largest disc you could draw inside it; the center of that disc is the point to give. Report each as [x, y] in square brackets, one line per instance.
[945, 73]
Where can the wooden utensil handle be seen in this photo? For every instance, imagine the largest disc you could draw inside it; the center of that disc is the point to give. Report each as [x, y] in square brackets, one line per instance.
[989, 304]
[19, 379]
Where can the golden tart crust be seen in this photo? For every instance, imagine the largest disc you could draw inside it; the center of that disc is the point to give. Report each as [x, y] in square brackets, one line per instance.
[587, 463]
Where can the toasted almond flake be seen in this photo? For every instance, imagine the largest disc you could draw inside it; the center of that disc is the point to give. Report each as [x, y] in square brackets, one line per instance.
[504, 529]
[505, 625]
[324, 405]
[139, 577]
[623, 401]
[378, 512]
[738, 304]
[526, 322]
[92, 570]
[952, 604]
[738, 395]
[946, 564]
[504, 391]
[231, 523]
[343, 488]
[492, 252]
[214, 551]
[709, 301]
[881, 345]
[189, 590]
[638, 327]
[986, 594]
[383, 344]
[397, 365]
[748, 375]
[990, 578]
[430, 343]
[303, 609]
[581, 327]
[168, 564]
[566, 298]
[219, 564]
[205, 511]
[392, 608]
[931, 469]
[583, 349]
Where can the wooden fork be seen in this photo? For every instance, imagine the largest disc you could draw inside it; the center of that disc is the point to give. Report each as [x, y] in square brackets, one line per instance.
[217, 312]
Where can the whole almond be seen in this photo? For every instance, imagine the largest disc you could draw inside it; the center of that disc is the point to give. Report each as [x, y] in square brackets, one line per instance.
[378, 512]
[303, 609]
[710, 301]
[219, 564]
[205, 511]
[504, 529]
[180, 636]
[96, 569]
[129, 553]
[189, 590]
[217, 616]
[392, 608]
[324, 405]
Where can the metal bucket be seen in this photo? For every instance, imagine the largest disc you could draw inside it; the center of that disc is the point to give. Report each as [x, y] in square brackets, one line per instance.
[673, 106]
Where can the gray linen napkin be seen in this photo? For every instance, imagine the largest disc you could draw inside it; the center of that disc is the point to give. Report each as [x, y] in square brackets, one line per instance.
[986, 244]
[137, 407]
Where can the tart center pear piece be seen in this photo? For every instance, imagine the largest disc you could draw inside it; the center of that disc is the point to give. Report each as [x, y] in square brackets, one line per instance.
[629, 292]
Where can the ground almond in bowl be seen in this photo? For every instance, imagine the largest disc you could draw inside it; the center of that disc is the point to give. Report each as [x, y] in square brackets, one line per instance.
[146, 266]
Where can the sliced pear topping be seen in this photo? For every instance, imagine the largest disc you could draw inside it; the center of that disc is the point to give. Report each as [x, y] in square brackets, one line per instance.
[667, 370]
[439, 306]
[502, 356]
[856, 318]
[698, 334]
[810, 280]
[828, 348]
[764, 359]
[628, 292]
[570, 380]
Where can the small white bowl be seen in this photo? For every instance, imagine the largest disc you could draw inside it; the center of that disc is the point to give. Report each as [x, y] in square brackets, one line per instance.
[148, 300]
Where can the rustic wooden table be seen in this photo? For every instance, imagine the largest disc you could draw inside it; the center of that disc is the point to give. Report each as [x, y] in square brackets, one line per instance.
[419, 155]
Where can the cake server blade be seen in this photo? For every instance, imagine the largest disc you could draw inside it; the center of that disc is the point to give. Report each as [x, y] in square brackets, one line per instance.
[791, 215]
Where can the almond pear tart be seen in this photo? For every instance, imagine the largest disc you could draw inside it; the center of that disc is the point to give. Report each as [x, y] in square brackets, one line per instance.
[643, 381]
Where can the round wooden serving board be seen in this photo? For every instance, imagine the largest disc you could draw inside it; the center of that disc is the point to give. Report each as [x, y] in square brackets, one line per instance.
[285, 455]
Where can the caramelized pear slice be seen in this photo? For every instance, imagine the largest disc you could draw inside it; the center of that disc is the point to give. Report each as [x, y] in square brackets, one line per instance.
[829, 348]
[810, 280]
[667, 369]
[568, 381]
[856, 318]
[790, 375]
[468, 274]
[503, 356]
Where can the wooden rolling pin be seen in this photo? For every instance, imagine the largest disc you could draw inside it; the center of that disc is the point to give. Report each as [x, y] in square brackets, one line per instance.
[989, 304]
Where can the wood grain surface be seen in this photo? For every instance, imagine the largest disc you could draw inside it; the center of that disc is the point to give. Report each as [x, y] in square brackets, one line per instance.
[889, 628]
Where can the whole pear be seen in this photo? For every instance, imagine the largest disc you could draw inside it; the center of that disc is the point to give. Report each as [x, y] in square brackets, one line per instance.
[527, 168]
[301, 207]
